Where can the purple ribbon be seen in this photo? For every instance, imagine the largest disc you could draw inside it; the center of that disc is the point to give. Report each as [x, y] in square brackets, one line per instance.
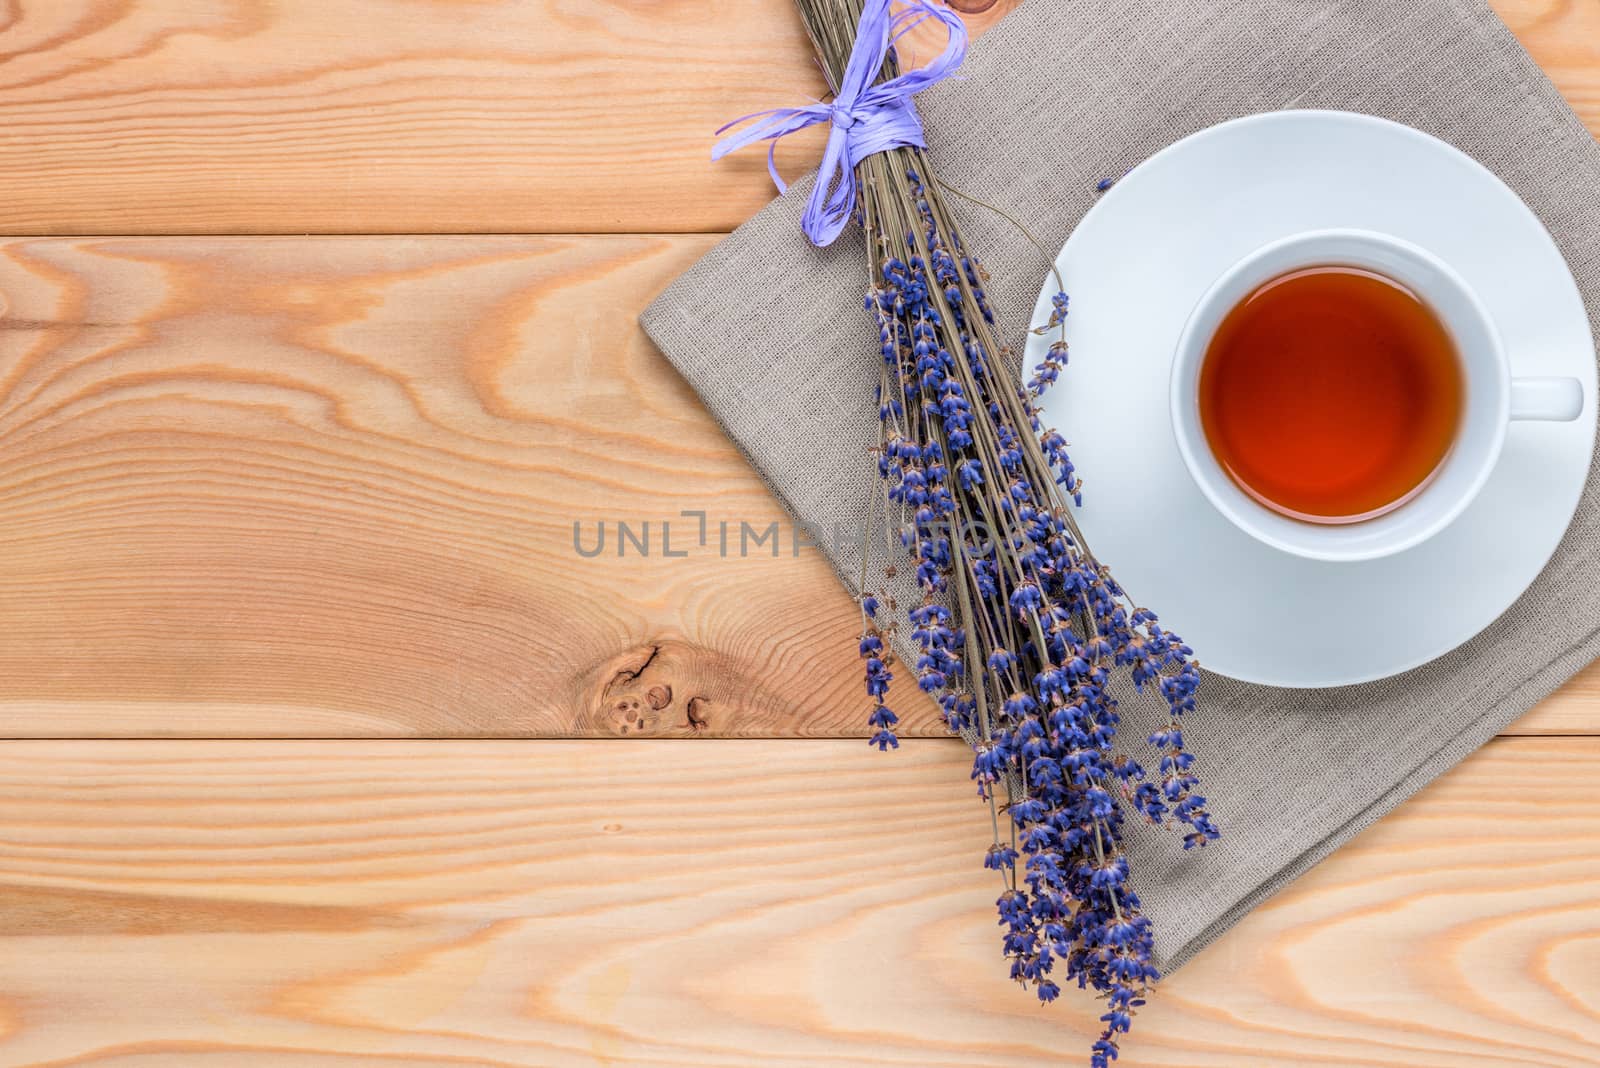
[866, 118]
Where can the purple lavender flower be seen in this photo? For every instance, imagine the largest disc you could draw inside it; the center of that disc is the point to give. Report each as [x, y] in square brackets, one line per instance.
[878, 676]
[963, 449]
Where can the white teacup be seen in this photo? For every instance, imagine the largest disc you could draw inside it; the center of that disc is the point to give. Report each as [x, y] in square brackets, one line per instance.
[1493, 397]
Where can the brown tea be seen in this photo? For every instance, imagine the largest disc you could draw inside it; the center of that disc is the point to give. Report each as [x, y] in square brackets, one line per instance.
[1331, 394]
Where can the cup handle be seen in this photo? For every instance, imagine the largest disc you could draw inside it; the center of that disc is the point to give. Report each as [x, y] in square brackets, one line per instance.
[1551, 400]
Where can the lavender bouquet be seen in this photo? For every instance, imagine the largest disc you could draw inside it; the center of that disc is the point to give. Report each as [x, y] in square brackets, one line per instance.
[1018, 628]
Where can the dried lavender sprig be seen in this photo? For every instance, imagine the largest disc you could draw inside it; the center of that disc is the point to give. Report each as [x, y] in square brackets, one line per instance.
[1041, 617]
[978, 489]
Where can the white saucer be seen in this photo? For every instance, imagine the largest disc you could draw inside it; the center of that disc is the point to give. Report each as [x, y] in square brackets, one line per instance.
[1134, 269]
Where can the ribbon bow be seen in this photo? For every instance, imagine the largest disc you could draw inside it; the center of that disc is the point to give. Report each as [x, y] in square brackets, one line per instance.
[865, 118]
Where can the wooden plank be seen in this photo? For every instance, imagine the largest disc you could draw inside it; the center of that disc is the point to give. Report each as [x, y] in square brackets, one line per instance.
[301, 487]
[349, 116]
[1573, 709]
[275, 486]
[1563, 37]
[749, 903]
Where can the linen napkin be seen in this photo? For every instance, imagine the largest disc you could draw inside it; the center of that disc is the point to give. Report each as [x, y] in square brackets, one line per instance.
[768, 330]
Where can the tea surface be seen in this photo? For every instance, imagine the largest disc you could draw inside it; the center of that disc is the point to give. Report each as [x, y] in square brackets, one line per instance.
[1331, 394]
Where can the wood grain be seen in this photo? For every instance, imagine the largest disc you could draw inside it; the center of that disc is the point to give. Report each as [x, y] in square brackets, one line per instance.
[1563, 36]
[302, 487]
[276, 487]
[1573, 709]
[439, 116]
[748, 903]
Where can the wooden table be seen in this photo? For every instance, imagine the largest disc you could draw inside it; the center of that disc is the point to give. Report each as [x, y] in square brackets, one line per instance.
[311, 707]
